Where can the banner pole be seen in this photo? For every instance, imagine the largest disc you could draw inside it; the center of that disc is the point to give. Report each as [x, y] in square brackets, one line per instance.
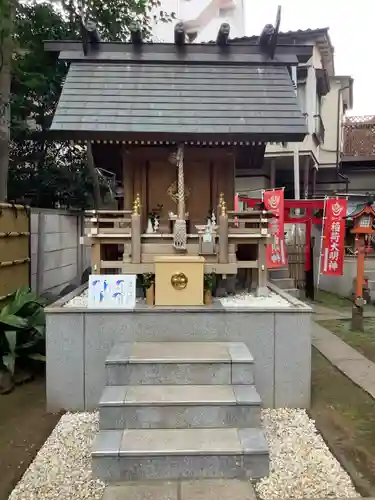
[321, 243]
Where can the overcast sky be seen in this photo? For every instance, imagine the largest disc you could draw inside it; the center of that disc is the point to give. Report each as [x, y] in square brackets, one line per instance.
[352, 31]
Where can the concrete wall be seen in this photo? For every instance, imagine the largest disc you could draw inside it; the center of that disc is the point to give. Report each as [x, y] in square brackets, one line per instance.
[79, 340]
[360, 181]
[57, 257]
[343, 285]
[251, 185]
[307, 98]
[327, 153]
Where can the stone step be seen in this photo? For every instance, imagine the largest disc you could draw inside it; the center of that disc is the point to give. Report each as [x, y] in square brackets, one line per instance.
[198, 489]
[294, 292]
[282, 272]
[174, 363]
[171, 454]
[283, 283]
[179, 406]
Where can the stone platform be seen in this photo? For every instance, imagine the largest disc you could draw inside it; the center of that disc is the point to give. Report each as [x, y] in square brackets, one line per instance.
[80, 339]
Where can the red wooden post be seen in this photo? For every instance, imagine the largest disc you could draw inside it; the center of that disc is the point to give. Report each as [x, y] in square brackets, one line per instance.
[364, 226]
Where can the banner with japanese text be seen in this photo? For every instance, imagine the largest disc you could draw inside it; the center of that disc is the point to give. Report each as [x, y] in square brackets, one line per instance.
[276, 249]
[332, 259]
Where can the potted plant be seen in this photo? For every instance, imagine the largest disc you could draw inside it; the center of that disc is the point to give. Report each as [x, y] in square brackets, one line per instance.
[149, 286]
[208, 285]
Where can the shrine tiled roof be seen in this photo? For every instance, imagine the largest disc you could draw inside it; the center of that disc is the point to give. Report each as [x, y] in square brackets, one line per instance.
[163, 91]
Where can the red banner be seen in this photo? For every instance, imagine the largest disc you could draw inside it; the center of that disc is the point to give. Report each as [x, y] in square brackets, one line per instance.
[276, 249]
[332, 258]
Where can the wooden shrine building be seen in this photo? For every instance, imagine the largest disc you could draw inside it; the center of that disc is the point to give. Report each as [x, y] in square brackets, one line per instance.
[169, 120]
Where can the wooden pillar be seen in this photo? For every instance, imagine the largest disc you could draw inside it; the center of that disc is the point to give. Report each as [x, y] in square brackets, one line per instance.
[140, 181]
[262, 290]
[273, 174]
[225, 178]
[223, 239]
[127, 178]
[95, 258]
[136, 239]
[306, 178]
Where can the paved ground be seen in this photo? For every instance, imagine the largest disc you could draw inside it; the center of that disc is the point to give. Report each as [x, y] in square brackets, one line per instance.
[349, 361]
[324, 312]
[217, 489]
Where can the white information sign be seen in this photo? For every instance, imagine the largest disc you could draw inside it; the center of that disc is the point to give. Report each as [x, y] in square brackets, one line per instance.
[112, 291]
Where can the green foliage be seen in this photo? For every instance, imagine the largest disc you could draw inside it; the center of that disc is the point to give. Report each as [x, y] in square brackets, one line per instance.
[148, 279]
[43, 172]
[22, 327]
[209, 281]
[113, 17]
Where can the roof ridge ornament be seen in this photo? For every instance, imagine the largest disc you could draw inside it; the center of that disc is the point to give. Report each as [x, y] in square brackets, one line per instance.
[135, 33]
[90, 34]
[223, 35]
[180, 36]
[269, 35]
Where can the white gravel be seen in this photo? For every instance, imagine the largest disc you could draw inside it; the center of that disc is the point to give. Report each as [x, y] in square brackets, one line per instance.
[79, 300]
[250, 300]
[62, 468]
[241, 300]
[301, 464]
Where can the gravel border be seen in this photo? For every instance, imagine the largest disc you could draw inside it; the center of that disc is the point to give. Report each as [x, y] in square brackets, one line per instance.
[244, 299]
[301, 464]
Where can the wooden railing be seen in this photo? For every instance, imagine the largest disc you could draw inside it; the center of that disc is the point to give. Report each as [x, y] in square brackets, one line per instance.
[118, 242]
[252, 222]
[115, 222]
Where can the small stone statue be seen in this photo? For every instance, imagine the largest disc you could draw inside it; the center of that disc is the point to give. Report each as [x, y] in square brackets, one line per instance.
[156, 225]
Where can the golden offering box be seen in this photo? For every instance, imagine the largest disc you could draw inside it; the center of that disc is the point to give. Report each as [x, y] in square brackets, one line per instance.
[179, 280]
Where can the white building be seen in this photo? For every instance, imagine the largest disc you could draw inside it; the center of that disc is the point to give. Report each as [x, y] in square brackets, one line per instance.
[202, 18]
[310, 170]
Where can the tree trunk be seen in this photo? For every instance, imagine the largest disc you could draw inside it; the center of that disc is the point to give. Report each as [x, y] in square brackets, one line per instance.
[5, 81]
[94, 176]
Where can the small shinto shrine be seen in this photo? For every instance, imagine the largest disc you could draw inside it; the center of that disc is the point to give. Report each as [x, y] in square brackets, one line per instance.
[169, 121]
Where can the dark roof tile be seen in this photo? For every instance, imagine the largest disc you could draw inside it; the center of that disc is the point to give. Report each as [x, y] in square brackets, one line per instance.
[253, 102]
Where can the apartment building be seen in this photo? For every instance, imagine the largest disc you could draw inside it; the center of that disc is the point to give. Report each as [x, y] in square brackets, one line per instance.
[307, 169]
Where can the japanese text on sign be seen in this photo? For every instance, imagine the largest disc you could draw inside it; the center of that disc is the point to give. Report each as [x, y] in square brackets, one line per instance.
[276, 251]
[333, 237]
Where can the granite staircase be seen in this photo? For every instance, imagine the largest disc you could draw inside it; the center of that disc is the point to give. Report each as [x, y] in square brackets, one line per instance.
[281, 278]
[175, 410]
